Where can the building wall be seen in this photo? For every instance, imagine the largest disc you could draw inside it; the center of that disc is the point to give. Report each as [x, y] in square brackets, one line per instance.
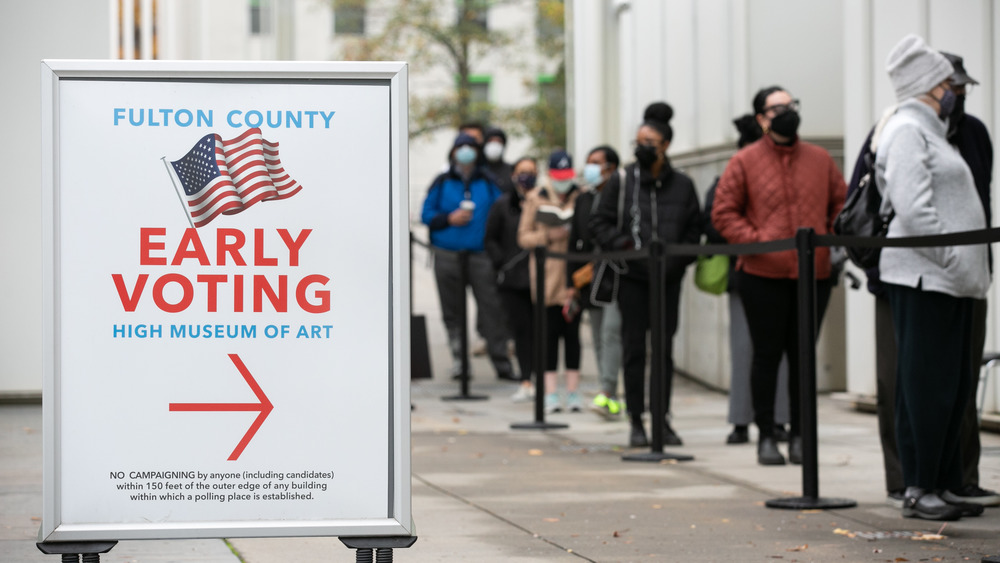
[30, 32]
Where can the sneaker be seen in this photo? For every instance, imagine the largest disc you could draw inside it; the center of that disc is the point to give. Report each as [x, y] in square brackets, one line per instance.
[895, 498]
[601, 406]
[615, 407]
[553, 403]
[523, 394]
[972, 494]
[573, 402]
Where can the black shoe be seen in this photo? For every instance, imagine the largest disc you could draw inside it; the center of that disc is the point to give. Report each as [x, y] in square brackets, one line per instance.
[767, 452]
[795, 450]
[973, 494]
[670, 438]
[508, 376]
[739, 435]
[780, 433]
[966, 508]
[637, 437]
[928, 506]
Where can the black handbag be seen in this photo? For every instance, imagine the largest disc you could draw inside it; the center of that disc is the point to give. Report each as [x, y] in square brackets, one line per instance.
[861, 216]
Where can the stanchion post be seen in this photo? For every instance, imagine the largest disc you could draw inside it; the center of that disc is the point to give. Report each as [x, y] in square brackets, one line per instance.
[658, 360]
[540, 353]
[463, 338]
[805, 246]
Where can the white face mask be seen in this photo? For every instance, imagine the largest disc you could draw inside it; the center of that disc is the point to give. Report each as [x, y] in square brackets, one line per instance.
[493, 151]
[562, 186]
[592, 174]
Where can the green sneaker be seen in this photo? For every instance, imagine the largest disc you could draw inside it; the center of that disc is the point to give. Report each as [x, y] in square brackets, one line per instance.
[606, 407]
[615, 406]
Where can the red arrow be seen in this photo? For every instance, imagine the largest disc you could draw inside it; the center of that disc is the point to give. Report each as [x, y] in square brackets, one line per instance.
[263, 406]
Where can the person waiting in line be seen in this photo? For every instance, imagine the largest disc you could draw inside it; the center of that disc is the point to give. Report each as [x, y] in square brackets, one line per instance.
[493, 149]
[605, 319]
[511, 264]
[932, 290]
[740, 350]
[659, 203]
[768, 191]
[540, 226]
[455, 211]
[969, 135]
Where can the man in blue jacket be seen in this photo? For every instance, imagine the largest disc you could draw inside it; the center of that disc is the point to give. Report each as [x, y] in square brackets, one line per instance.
[455, 211]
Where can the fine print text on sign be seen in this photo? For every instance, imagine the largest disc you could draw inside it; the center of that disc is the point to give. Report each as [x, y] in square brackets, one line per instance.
[228, 299]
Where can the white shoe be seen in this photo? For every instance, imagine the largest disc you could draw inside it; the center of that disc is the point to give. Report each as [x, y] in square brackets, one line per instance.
[523, 394]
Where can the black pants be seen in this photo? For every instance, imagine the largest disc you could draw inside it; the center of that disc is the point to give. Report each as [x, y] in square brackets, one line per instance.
[558, 328]
[933, 377]
[633, 300]
[521, 322]
[772, 308]
[885, 366]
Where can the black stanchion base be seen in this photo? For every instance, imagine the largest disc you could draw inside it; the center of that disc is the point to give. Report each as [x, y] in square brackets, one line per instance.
[538, 426]
[75, 547]
[655, 457]
[807, 503]
[991, 559]
[466, 398]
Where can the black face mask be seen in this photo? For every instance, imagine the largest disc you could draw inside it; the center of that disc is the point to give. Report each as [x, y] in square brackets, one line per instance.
[526, 180]
[956, 115]
[786, 124]
[646, 155]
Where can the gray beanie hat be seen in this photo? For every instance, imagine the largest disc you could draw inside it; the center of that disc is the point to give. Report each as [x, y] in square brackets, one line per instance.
[915, 69]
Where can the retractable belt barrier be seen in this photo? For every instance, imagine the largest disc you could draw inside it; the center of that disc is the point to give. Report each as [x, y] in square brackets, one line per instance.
[804, 243]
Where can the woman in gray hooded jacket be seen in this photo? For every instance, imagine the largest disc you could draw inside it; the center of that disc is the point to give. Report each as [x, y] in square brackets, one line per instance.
[927, 184]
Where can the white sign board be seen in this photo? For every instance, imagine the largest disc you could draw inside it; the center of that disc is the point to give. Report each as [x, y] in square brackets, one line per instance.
[226, 300]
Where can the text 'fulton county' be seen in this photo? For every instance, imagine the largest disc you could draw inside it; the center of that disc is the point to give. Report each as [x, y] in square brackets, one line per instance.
[237, 118]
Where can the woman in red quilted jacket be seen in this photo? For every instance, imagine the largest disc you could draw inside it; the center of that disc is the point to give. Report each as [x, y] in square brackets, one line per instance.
[769, 190]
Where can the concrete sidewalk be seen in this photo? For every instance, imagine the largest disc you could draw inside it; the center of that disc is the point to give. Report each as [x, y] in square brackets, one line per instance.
[484, 492]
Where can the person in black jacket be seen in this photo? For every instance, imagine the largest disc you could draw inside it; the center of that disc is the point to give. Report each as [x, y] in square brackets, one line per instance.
[511, 264]
[660, 203]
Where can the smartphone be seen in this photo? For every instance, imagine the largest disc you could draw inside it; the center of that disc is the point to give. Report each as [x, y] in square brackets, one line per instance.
[468, 205]
[571, 310]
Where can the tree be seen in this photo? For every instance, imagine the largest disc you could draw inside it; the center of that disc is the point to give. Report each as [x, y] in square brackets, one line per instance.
[422, 32]
[429, 33]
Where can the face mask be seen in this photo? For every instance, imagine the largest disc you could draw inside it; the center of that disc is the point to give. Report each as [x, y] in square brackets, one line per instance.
[948, 101]
[592, 174]
[956, 115]
[786, 124]
[562, 186]
[493, 151]
[465, 155]
[526, 180]
[646, 155]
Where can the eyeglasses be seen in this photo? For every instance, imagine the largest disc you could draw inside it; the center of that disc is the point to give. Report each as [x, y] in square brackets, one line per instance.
[779, 109]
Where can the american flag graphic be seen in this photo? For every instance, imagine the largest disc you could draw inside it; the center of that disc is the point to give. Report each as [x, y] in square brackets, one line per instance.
[225, 177]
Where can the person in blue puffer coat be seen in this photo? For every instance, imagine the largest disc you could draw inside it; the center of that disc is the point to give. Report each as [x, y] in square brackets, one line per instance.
[455, 211]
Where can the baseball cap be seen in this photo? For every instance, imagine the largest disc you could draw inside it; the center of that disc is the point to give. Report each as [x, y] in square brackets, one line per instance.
[561, 165]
